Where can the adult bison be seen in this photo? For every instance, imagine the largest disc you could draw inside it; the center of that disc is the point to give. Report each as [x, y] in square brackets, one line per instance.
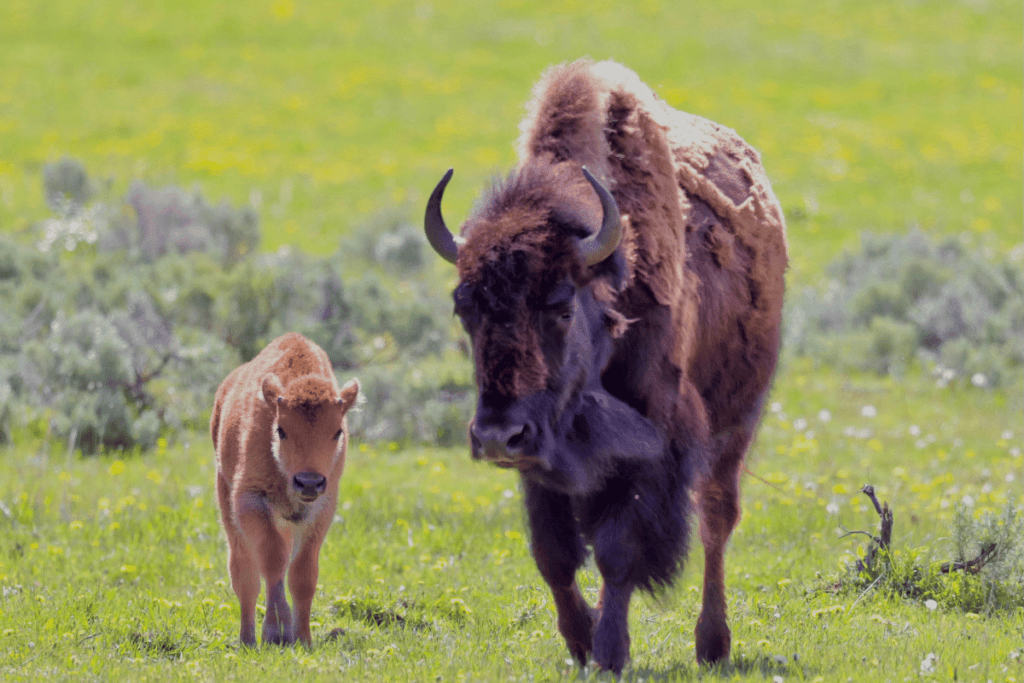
[624, 338]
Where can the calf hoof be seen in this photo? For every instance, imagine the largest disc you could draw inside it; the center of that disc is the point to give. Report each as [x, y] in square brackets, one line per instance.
[277, 639]
[247, 637]
[713, 641]
[275, 635]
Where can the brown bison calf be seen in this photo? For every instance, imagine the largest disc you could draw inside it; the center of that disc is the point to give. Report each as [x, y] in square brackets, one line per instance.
[280, 433]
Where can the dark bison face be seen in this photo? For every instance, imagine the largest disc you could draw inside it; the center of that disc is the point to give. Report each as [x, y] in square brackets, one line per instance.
[540, 343]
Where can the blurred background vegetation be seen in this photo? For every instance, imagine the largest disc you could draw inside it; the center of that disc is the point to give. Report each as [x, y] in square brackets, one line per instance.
[181, 182]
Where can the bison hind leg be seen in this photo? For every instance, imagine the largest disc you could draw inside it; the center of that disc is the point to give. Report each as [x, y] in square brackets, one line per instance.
[713, 640]
[719, 507]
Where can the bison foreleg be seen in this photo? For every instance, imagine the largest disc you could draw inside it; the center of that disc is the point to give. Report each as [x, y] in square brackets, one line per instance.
[611, 637]
[576, 620]
[559, 552]
[615, 557]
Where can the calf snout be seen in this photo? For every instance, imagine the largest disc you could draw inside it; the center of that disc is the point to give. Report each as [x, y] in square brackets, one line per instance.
[309, 485]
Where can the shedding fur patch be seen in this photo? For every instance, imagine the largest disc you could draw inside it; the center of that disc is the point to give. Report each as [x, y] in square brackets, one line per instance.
[653, 159]
[565, 119]
[654, 156]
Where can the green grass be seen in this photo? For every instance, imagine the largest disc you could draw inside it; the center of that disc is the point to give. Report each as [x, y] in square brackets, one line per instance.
[114, 569]
[871, 116]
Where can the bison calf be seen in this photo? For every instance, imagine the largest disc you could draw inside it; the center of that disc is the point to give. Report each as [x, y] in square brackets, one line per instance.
[280, 434]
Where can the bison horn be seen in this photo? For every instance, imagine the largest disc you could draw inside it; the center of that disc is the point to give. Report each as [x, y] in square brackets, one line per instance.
[600, 246]
[438, 234]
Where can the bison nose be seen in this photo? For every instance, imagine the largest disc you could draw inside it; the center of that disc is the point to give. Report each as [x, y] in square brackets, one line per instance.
[310, 485]
[501, 443]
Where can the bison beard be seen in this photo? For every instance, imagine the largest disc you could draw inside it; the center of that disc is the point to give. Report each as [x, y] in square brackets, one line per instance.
[625, 328]
[583, 449]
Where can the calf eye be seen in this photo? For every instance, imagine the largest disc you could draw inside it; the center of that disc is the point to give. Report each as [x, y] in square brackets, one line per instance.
[338, 435]
[280, 433]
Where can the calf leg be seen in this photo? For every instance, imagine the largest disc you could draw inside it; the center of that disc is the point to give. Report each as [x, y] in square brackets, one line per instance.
[719, 507]
[303, 574]
[270, 550]
[245, 577]
[559, 553]
[277, 623]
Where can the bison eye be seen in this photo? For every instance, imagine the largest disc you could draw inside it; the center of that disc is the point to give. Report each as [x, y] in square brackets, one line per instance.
[338, 435]
[280, 433]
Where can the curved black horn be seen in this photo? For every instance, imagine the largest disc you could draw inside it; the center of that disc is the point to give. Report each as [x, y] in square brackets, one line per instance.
[600, 245]
[438, 234]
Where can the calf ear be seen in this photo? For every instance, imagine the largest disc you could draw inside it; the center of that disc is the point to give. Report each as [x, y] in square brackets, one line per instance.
[273, 390]
[349, 393]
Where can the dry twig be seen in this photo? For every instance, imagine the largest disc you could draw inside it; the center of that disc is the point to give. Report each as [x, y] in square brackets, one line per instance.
[884, 538]
[971, 566]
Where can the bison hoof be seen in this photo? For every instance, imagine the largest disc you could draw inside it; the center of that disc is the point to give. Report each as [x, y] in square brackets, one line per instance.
[611, 652]
[579, 635]
[713, 642]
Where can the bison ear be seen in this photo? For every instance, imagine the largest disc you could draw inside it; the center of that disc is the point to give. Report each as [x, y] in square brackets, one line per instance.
[273, 390]
[349, 393]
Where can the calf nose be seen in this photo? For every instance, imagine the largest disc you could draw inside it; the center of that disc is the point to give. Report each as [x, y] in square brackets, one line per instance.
[310, 485]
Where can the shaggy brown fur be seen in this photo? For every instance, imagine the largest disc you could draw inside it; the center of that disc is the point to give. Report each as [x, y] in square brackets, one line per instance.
[280, 433]
[691, 302]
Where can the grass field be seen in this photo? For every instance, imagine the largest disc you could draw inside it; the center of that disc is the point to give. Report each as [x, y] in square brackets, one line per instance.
[115, 569]
[869, 117]
[872, 116]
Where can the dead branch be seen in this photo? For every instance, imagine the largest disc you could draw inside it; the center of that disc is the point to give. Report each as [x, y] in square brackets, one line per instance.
[970, 566]
[884, 538]
[884, 527]
[850, 532]
[869, 491]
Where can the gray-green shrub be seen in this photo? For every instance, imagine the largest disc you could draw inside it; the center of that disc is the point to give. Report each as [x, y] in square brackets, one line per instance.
[905, 299]
[124, 336]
